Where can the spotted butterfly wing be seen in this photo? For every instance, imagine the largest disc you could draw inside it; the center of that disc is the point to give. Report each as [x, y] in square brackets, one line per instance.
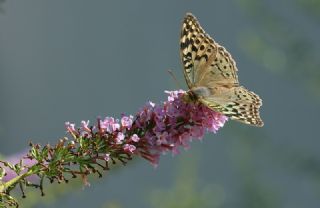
[211, 75]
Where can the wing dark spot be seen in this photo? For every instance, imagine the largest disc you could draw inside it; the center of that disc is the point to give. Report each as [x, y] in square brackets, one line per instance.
[202, 47]
[185, 44]
[184, 33]
[194, 48]
[235, 111]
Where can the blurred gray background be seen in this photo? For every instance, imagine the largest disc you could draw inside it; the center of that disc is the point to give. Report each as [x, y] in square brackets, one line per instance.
[76, 60]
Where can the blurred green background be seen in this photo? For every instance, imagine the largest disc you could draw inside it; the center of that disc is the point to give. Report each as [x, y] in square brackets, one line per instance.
[72, 60]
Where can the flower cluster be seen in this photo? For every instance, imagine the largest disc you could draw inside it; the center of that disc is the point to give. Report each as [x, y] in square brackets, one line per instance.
[155, 129]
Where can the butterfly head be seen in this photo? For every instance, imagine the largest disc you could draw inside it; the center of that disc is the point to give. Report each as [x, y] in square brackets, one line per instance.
[189, 97]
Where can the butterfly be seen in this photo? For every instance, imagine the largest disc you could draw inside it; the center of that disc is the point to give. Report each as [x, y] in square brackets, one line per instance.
[211, 75]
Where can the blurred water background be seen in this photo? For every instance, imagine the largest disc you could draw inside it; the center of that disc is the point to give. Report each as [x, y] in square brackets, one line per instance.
[75, 60]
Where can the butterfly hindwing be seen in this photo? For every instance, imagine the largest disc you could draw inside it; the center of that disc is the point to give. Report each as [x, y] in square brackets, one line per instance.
[237, 103]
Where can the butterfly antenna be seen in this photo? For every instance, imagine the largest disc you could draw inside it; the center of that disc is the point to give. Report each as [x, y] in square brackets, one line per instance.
[175, 79]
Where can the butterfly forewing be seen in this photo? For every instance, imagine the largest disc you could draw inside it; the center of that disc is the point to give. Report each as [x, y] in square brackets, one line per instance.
[195, 48]
[211, 74]
[202, 55]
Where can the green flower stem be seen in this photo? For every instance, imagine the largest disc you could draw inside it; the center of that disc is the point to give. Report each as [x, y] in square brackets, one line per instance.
[15, 180]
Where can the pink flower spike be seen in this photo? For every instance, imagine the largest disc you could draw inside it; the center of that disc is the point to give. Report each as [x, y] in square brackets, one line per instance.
[156, 129]
[119, 138]
[135, 138]
[129, 148]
